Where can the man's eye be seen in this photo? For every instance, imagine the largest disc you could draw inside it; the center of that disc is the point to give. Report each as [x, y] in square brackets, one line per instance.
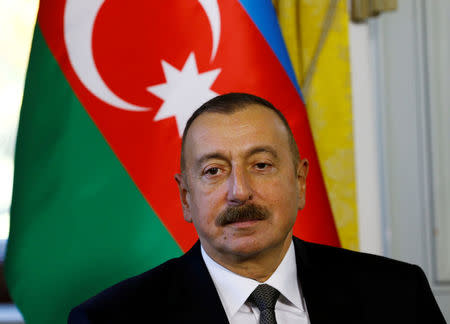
[262, 166]
[212, 171]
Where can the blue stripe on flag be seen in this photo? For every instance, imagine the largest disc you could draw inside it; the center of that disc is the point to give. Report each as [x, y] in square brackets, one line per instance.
[264, 16]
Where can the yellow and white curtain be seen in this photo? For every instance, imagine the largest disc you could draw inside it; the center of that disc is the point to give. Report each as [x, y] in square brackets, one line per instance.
[316, 35]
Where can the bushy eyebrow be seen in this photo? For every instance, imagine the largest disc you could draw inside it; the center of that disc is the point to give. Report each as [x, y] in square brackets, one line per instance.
[209, 156]
[263, 149]
[223, 157]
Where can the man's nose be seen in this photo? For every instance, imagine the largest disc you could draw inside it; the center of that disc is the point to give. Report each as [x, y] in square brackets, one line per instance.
[239, 190]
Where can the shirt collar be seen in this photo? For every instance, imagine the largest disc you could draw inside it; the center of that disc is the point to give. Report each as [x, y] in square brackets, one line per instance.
[285, 280]
[234, 289]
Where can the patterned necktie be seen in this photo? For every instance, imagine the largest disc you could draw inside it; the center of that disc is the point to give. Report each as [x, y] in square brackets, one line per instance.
[265, 297]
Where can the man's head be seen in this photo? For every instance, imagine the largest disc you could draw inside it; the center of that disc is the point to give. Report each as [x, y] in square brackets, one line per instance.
[230, 103]
[242, 182]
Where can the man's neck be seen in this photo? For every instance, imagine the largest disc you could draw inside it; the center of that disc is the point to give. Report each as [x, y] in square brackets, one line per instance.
[258, 267]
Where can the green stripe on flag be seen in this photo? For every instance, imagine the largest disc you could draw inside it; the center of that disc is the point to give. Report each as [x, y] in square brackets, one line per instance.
[78, 222]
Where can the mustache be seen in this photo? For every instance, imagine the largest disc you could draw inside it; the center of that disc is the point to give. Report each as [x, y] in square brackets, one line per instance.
[242, 213]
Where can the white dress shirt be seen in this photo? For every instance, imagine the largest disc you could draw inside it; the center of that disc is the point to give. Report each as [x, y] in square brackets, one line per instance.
[234, 290]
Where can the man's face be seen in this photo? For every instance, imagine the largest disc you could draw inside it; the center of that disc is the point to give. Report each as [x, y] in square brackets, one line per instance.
[241, 188]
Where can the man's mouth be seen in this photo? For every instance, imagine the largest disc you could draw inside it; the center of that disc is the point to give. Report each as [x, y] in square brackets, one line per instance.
[240, 214]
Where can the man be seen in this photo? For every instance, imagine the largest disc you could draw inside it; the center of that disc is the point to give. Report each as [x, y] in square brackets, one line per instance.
[242, 183]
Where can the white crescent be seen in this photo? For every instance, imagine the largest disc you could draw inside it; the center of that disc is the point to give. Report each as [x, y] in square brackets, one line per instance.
[79, 19]
[211, 8]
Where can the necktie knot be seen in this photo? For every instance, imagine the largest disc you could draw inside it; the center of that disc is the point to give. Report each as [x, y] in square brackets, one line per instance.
[265, 297]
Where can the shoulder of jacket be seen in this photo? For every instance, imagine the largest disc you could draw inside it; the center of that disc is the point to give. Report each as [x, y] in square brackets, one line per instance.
[325, 255]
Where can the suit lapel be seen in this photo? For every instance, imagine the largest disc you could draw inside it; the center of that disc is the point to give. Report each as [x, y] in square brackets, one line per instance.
[326, 291]
[203, 298]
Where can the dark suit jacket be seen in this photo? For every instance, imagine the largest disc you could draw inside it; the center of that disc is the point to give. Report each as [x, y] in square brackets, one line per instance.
[339, 286]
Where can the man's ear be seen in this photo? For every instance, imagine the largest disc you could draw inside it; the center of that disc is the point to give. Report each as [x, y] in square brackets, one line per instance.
[302, 172]
[185, 196]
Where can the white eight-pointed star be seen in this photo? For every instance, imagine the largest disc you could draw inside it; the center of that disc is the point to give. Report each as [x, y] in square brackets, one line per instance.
[184, 91]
